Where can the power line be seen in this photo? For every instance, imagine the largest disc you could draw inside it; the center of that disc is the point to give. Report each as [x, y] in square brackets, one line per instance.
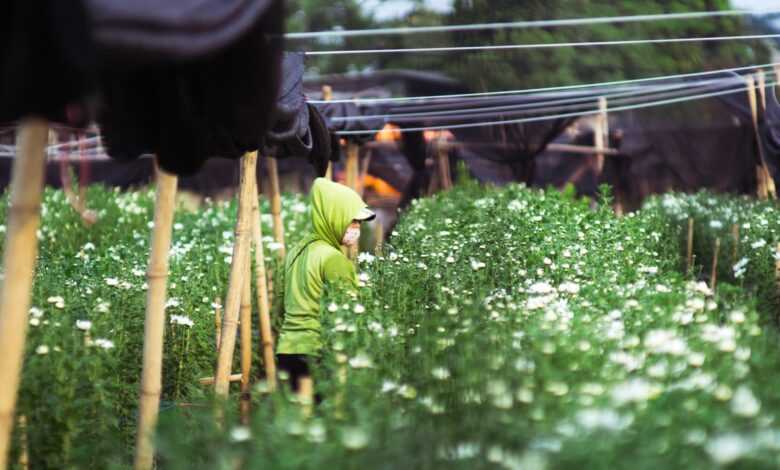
[499, 47]
[423, 99]
[538, 106]
[554, 116]
[527, 24]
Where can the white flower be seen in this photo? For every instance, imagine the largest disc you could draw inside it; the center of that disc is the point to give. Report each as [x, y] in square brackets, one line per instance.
[727, 448]
[240, 434]
[760, 243]
[541, 288]
[354, 437]
[35, 321]
[366, 257]
[476, 265]
[104, 343]
[181, 320]
[744, 403]
[55, 299]
[359, 308]
[450, 259]
[333, 307]
[634, 390]
[88, 246]
[702, 288]
[83, 325]
[608, 419]
[112, 281]
[103, 307]
[569, 287]
[441, 373]
[665, 342]
[716, 224]
[42, 349]
[35, 312]
[361, 361]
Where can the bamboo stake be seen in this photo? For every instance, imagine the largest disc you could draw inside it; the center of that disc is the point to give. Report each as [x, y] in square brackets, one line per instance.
[443, 163]
[777, 267]
[240, 250]
[217, 323]
[761, 79]
[735, 239]
[714, 272]
[689, 252]
[600, 133]
[762, 172]
[246, 338]
[771, 189]
[276, 206]
[20, 251]
[154, 326]
[210, 380]
[379, 237]
[353, 161]
[24, 454]
[306, 394]
[261, 287]
[327, 95]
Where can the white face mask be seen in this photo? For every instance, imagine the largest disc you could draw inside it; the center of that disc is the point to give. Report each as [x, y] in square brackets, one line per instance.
[351, 236]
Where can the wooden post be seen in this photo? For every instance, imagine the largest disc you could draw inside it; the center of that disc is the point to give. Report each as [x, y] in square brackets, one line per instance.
[24, 453]
[217, 323]
[327, 95]
[443, 163]
[379, 237]
[246, 337]
[735, 239]
[353, 162]
[20, 251]
[210, 380]
[689, 251]
[306, 394]
[762, 172]
[240, 250]
[154, 326]
[276, 206]
[600, 136]
[714, 272]
[261, 288]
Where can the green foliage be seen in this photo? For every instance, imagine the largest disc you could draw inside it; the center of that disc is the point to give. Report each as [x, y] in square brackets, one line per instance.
[501, 70]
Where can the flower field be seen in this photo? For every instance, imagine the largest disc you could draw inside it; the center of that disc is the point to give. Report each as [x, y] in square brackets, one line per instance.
[499, 328]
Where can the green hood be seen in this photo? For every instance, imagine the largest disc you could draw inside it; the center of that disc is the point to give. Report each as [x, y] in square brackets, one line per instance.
[333, 207]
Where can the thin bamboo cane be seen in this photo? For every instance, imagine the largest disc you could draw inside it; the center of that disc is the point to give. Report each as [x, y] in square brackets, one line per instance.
[600, 133]
[24, 452]
[246, 338]
[352, 164]
[154, 326]
[714, 272]
[689, 252]
[261, 287]
[276, 206]
[777, 267]
[306, 394]
[379, 237]
[211, 380]
[762, 173]
[443, 160]
[217, 323]
[20, 250]
[240, 250]
[735, 239]
[327, 95]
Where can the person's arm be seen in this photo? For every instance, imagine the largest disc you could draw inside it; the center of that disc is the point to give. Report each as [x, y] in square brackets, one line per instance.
[340, 270]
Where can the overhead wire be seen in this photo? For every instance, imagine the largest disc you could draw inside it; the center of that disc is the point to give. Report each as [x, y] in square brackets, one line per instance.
[555, 116]
[406, 30]
[423, 99]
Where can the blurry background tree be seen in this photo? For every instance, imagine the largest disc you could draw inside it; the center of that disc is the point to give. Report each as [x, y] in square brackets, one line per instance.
[495, 70]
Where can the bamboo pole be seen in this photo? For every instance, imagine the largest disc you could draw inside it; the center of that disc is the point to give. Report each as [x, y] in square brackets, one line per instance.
[762, 172]
[327, 95]
[261, 288]
[689, 250]
[245, 324]
[714, 272]
[306, 394]
[217, 323]
[777, 267]
[210, 380]
[735, 239]
[154, 326]
[240, 250]
[443, 163]
[771, 189]
[353, 162]
[276, 206]
[24, 453]
[20, 251]
[600, 133]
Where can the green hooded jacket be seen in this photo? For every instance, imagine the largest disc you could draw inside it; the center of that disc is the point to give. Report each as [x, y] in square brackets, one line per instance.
[315, 261]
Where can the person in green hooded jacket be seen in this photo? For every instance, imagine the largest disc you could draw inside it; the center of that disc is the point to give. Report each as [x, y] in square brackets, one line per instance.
[315, 261]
